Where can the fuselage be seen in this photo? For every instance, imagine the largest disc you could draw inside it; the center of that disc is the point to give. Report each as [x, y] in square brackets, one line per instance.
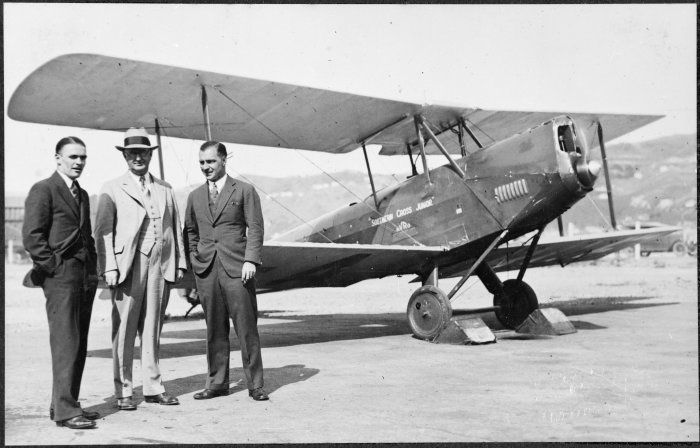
[520, 184]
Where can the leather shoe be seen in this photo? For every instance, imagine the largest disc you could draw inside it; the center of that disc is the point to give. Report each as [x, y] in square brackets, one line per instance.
[91, 415]
[258, 394]
[163, 398]
[210, 393]
[126, 404]
[77, 422]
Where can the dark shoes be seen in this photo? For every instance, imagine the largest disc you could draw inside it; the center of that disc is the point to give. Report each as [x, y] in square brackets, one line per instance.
[91, 415]
[126, 404]
[164, 399]
[78, 422]
[210, 393]
[86, 414]
[258, 394]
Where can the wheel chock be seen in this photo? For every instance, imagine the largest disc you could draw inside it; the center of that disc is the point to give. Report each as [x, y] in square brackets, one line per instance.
[466, 330]
[546, 321]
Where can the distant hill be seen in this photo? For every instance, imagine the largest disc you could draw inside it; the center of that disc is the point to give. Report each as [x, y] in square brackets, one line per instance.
[655, 180]
[652, 180]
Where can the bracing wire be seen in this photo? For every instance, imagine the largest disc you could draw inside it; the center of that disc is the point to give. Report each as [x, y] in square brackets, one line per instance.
[600, 212]
[388, 223]
[481, 130]
[360, 200]
[182, 167]
[257, 187]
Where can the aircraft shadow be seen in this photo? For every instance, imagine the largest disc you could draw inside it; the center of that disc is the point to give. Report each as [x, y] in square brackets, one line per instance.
[275, 378]
[292, 330]
[578, 307]
[312, 329]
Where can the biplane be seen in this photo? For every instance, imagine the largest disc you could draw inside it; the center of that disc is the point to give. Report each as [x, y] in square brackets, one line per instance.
[455, 220]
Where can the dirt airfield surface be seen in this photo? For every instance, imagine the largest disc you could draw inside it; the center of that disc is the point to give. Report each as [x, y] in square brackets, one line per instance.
[341, 366]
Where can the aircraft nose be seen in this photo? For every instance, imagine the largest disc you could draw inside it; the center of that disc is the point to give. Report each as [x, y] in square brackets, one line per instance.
[587, 172]
[594, 168]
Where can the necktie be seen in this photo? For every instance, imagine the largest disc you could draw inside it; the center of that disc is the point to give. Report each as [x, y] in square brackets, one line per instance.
[213, 196]
[75, 191]
[144, 189]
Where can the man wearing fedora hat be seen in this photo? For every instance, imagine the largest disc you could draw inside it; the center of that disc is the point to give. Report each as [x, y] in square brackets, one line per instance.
[140, 252]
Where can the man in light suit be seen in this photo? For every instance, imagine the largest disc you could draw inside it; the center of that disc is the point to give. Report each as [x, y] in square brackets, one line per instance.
[56, 233]
[140, 252]
[224, 260]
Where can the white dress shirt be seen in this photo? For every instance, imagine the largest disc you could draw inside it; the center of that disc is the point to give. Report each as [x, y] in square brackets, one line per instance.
[219, 183]
[137, 180]
[66, 179]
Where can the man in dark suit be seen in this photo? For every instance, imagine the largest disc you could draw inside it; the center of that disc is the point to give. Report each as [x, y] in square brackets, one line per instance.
[57, 234]
[224, 261]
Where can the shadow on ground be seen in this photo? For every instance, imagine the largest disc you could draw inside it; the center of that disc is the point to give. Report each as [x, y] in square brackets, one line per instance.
[311, 329]
[275, 378]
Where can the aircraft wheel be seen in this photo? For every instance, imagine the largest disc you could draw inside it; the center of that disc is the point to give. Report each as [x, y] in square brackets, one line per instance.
[678, 248]
[429, 311]
[517, 301]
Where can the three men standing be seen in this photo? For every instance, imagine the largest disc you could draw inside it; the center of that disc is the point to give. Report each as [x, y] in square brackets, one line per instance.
[56, 233]
[224, 230]
[140, 251]
[139, 248]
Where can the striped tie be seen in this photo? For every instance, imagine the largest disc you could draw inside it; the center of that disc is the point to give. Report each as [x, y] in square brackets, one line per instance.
[213, 196]
[144, 189]
[75, 191]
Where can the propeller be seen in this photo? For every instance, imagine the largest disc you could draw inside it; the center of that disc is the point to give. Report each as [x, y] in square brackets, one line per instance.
[587, 170]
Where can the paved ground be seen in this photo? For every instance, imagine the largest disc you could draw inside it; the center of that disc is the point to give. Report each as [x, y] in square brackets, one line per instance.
[340, 365]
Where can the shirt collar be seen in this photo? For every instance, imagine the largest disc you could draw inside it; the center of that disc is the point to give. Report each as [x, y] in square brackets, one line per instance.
[137, 179]
[219, 183]
[66, 179]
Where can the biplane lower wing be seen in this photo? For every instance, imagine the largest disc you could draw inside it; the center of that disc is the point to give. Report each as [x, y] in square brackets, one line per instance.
[563, 250]
[289, 265]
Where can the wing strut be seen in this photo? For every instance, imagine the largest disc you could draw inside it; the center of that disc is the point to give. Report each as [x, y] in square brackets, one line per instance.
[453, 164]
[410, 157]
[205, 111]
[471, 134]
[530, 251]
[560, 224]
[371, 179]
[421, 146]
[460, 136]
[608, 187]
[477, 263]
[160, 151]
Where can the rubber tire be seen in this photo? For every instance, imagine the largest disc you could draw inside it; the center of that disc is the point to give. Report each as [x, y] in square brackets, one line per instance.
[692, 248]
[516, 302]
[439, 307]
[678, 248]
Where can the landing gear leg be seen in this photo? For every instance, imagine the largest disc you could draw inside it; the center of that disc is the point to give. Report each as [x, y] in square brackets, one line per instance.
[514, 298]
[429, 310]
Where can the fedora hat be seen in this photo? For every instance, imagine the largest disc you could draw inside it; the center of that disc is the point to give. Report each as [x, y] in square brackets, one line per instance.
[136, 138]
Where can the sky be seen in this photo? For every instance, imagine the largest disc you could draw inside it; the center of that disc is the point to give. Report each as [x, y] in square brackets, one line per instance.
[575, 58]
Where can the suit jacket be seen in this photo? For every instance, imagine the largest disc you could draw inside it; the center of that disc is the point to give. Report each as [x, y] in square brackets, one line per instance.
[120, 214]
[224, 232]
[56, 228]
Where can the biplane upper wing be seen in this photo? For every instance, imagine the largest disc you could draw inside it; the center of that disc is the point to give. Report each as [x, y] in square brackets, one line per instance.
[101, 92]
[565, 250]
